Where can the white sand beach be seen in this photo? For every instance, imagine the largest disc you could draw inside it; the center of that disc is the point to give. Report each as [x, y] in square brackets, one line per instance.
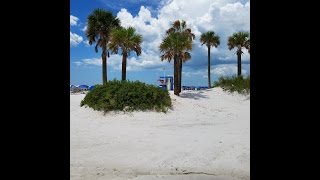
[205, 136]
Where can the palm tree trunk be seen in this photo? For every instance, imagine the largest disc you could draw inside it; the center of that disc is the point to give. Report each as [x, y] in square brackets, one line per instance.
[104, 66]
[124, 66]
[209, 76]
[239, 64]
[175, 73]
[180, 74]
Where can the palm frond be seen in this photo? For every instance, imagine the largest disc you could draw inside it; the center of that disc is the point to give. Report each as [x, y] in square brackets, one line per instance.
[127, 39]
[210, 39]
[176, 44]
[99, 25]
[239, 39]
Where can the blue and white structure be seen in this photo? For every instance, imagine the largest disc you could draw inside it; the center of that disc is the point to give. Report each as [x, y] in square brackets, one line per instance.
[166, 81]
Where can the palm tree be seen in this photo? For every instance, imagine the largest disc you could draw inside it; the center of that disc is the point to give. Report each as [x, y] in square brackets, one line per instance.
[100, 24]
[128, 40]
[180, 27]
[176, 46]
[210, 39]
[239, 40]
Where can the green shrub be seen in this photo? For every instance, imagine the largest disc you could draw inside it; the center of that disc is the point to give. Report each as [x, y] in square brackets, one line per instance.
[234, 83]
[127, 96]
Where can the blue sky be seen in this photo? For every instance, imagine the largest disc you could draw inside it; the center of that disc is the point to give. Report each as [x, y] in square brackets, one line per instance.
[152, 18]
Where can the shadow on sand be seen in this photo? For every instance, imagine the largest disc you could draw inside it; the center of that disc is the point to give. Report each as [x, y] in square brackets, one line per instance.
[193, 95]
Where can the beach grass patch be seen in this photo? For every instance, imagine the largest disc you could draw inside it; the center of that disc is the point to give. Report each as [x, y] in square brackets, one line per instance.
[234, 83]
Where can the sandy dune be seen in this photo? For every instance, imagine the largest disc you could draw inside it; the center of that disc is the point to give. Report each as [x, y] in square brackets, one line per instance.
[205, 136]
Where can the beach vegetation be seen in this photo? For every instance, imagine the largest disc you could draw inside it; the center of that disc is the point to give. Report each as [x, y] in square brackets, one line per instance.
[127, 96]
[238, 84]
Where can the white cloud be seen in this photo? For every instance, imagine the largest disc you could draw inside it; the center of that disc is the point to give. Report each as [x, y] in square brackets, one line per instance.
[78, 63]
[75, 39]
[73, 20]
[84, 28]
[225, 70]
[89, 62]
[230, 69]
[200, 73]
[113, 60]
[145, 61]
[86, 42]
[222, 16]
[217, 71]
[133, 64]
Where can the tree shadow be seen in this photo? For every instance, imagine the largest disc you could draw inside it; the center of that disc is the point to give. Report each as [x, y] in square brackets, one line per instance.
[193, 95]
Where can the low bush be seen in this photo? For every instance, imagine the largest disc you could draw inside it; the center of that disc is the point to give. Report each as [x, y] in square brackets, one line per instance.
[234, 83]
[127, 96]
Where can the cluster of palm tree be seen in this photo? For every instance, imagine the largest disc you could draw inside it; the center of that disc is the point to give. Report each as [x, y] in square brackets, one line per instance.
[175, 45]
[238, 39]
[178, 42]
[105, 30]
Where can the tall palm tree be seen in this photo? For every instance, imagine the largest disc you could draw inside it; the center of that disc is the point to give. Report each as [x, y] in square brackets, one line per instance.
[128, 40]
[176, 46]
[100, 24]
[210, 39]
[239, 40]
[180, 27]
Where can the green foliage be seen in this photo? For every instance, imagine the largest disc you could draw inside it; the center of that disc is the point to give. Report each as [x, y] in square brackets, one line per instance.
[239, 39]
[234, 83]
[127, 39]
[210, 39]
[127, 96]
